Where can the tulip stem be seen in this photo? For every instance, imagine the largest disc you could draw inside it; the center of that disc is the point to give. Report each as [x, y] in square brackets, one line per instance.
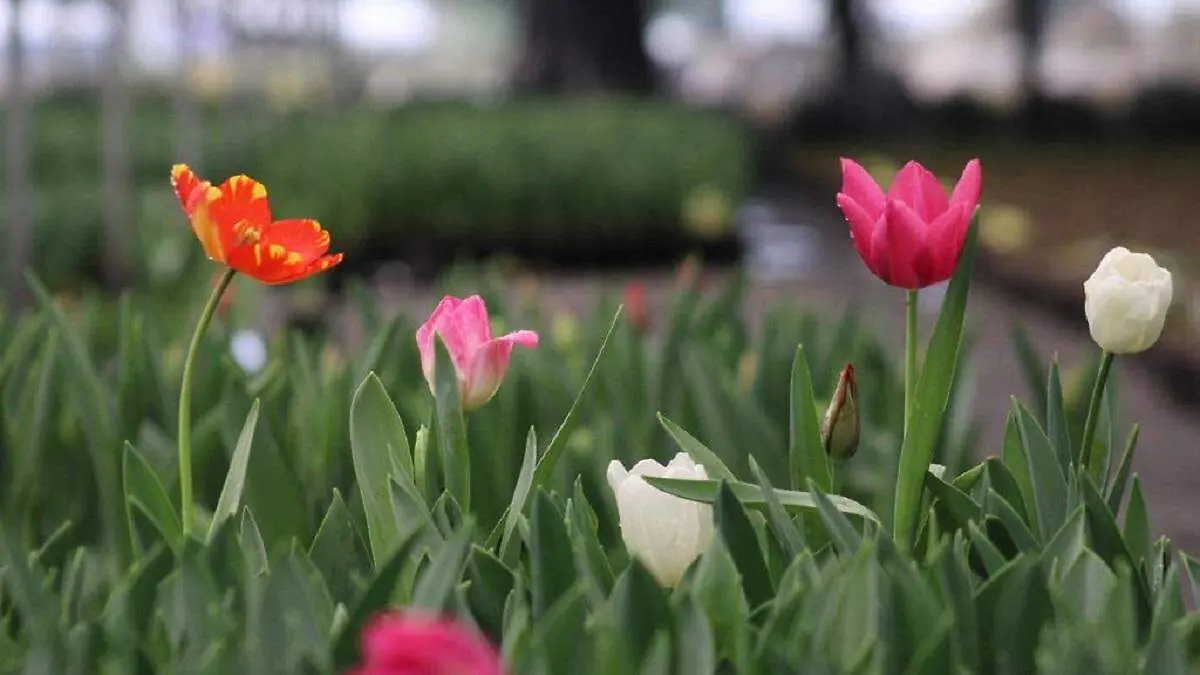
[1093, 414]
[910, 358]
[186, 505]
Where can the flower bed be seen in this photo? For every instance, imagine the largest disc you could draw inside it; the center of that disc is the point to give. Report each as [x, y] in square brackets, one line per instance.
[438, 500]
[591, 182]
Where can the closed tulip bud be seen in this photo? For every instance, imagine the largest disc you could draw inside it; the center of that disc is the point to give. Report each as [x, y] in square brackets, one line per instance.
[1126, 301]
[666, 533]
[840, 430]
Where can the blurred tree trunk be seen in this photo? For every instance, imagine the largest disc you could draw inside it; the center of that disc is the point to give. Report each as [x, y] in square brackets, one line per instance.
[114, 114]
[187, 118]
[584, 45]
[18, 197]
[846, 17]
[1030, 18]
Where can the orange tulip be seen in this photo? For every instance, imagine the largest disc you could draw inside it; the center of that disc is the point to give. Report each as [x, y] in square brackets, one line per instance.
[234, 226]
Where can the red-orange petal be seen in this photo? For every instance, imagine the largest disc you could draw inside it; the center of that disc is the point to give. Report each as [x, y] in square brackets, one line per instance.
[242, 199]
[288, 251]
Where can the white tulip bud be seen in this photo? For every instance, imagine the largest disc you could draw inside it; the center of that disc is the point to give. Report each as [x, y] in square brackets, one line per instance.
[666, 533]
[1126, 301]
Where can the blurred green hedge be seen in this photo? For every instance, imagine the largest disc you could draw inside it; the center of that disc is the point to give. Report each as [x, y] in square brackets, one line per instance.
[556, 177]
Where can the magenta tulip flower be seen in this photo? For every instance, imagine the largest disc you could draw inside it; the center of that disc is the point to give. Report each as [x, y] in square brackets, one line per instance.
[480, 360]
[405, 644]
[912, 236]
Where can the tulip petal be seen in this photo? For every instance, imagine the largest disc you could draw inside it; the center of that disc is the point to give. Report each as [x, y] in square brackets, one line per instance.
[397, 643]
[908, 254]
[425, 333]
[946, 237]
[242, 199]
[859, 186]
[284, 252]
[468, 327]
[487, 366]
[862, 225]
[920, 190]
[969, 187]
[186, 185]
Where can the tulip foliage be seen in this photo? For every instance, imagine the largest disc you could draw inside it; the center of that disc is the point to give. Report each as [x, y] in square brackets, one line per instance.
[693, 493]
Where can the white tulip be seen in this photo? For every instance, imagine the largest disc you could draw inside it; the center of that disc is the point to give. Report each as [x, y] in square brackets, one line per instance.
[666, 533]
[1126, 301]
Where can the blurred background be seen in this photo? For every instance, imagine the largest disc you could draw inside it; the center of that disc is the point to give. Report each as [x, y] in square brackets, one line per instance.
[595, 143]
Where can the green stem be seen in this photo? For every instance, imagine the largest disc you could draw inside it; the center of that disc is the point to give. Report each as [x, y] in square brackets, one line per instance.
[186, 504]
[1093, 414]
[910, 357]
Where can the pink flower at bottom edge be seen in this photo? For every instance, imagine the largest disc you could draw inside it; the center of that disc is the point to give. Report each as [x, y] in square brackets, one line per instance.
[399, 643]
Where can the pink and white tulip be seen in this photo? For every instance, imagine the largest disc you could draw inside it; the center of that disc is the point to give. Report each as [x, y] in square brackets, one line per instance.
[480, 360]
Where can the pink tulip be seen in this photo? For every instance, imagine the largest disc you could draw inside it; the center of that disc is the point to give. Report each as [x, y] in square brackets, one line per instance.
[912, 236]
[480, 360]
[402, 644]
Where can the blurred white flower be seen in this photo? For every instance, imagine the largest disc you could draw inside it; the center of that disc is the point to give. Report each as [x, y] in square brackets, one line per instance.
[666, 533]
[1126, 303]
[249, 350]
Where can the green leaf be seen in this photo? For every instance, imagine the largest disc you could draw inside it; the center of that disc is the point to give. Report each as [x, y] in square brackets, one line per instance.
[372, 600]
[251, 541]
[694, 640]
[1005, 484]
[1049, 483]
[554, 449]
[699, 452]
[1068, 544]
[435, 586]
[639, 609]
[1014, 606]
[752, 496]
[1191, 568]
[719, 591]
[787, 532]
[1021, 535]
[491, 583]
[805, 451]
[376, 433]
[932, 396]
[451, 428]
[551, 561]
[841, 533]
[516, 505]
[557, 635]
[1137, 526]
[1016, 460]
[1116, 492]
[957, 504]
[1106, 539]
[590, 557]
[735, 528]
[421, 461]
[235, 479]
[549, 459]
[97, 413]
[145, 492]
[957, 586]
[336, 549]
[1056, 420]
[990, 557]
